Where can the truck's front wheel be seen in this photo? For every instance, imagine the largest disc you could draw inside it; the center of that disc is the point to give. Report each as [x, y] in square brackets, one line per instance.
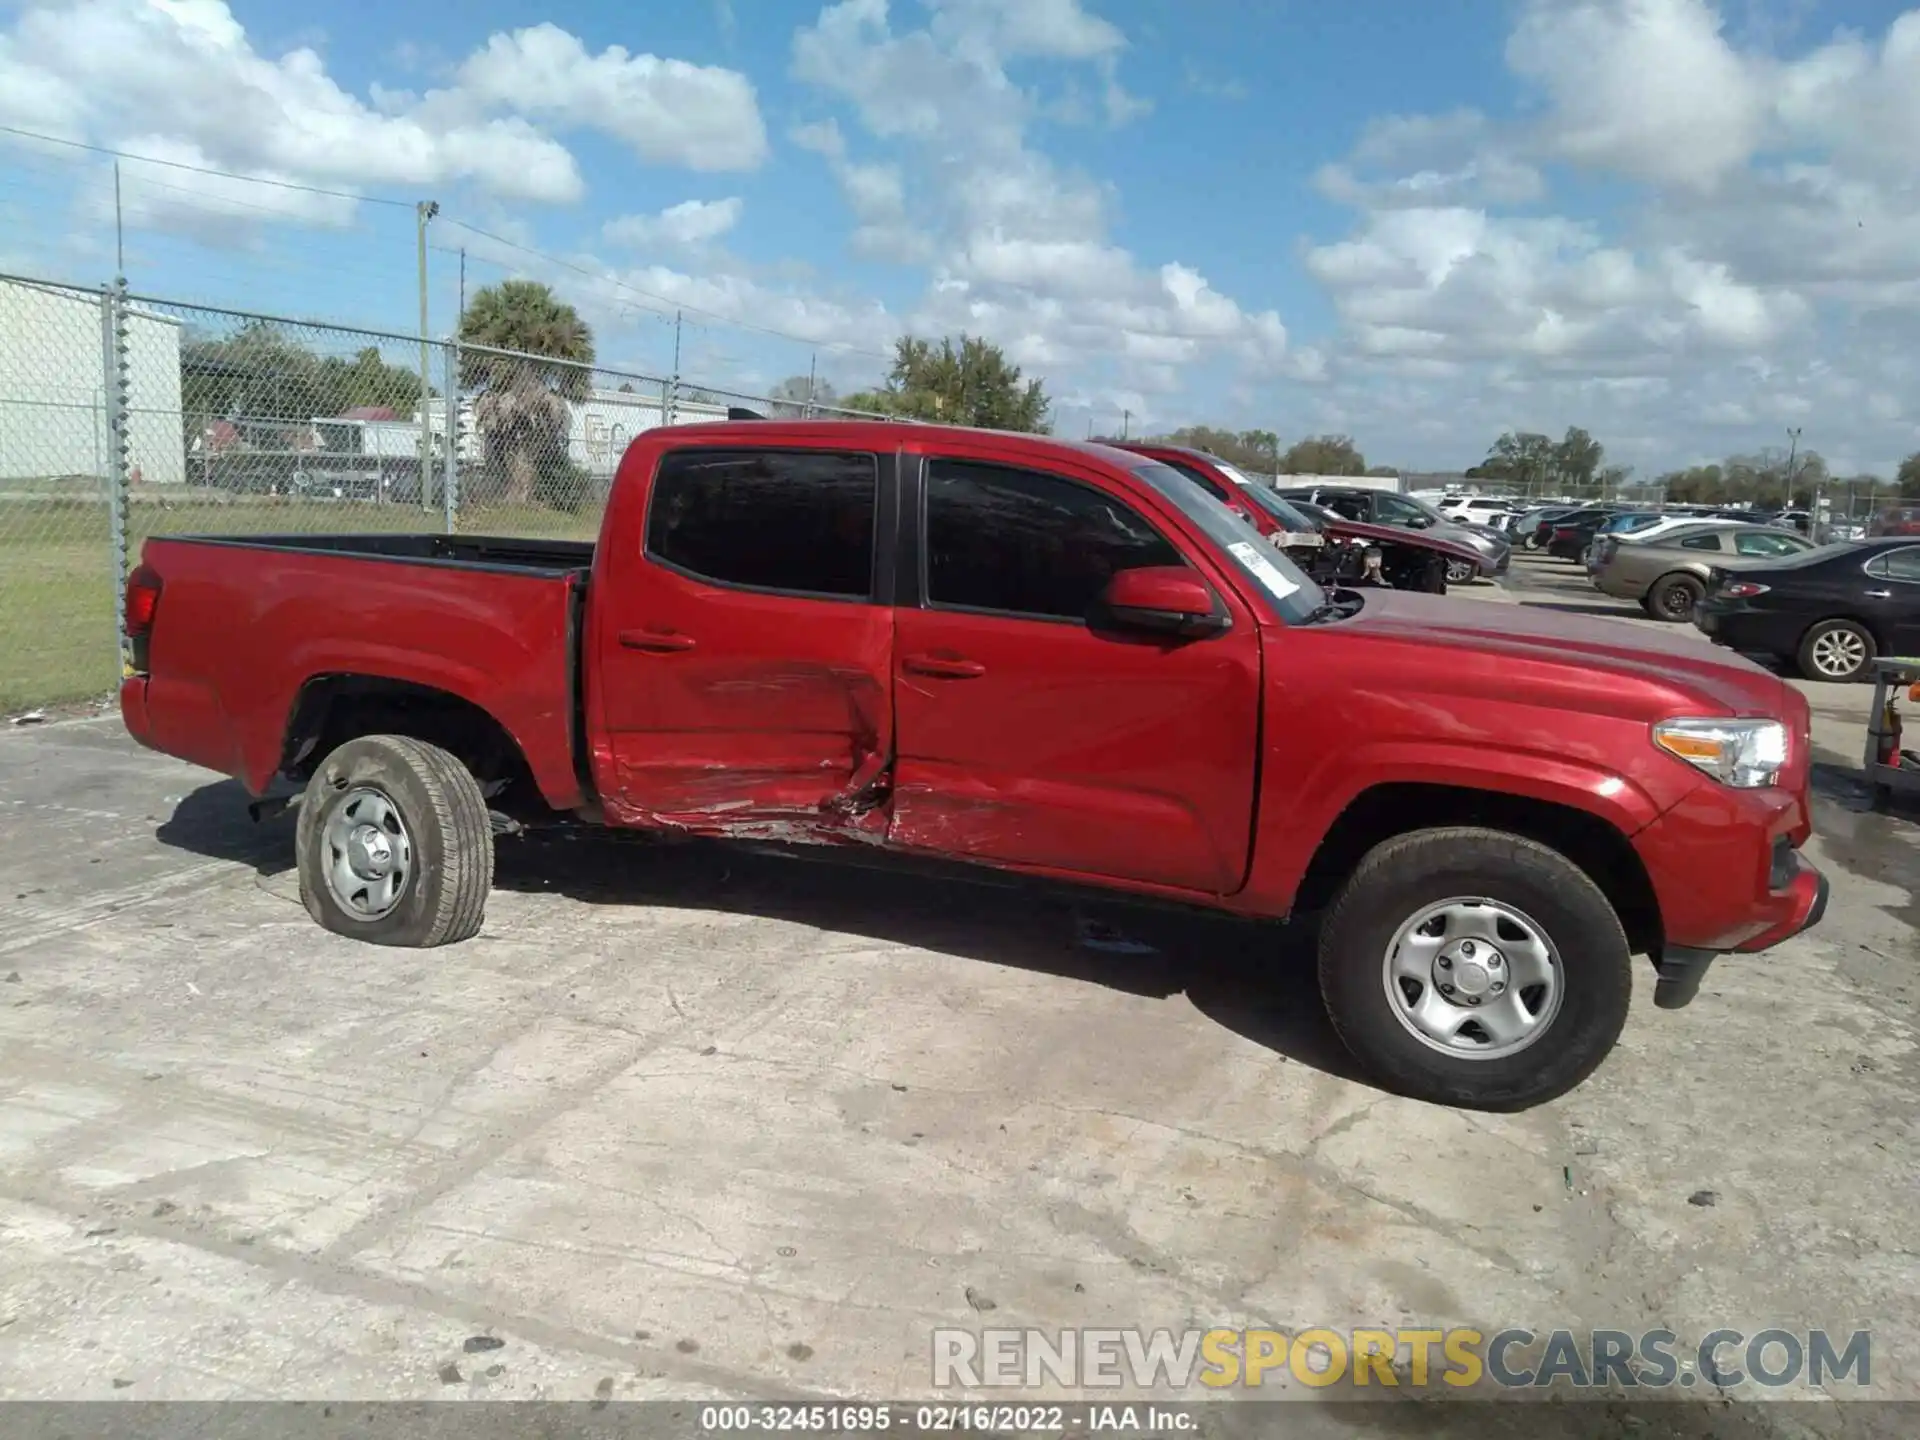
[394, 844]
[1476, 968]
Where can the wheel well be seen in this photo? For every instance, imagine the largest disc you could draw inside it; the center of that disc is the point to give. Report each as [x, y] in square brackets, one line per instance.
[333, 709]
[1588, 841]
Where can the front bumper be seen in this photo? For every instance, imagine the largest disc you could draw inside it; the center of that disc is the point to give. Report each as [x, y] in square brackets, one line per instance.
[1722, 888]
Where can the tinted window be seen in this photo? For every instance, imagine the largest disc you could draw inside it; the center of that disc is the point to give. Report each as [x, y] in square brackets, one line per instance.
[1710, 541]
[1902, 564]
[1766, 545]
[1393, 510]
[1354, 507]
[795, 520]
[1024, 543]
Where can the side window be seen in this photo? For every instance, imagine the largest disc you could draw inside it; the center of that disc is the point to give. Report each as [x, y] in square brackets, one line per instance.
[1901, 564]
[1350, 507]
[799, 521]
[1393, 510]
[1709, 541]
[1765, 545]
[1022, 543]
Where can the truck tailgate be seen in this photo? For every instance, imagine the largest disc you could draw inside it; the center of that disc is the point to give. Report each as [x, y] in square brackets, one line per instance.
[240, 628]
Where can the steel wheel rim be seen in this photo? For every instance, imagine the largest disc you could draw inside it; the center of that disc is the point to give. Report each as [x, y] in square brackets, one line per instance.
[1839, 653]
[1474, 978]
[369, 859]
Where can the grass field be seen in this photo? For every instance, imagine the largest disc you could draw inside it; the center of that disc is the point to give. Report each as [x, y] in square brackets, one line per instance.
[57, 579]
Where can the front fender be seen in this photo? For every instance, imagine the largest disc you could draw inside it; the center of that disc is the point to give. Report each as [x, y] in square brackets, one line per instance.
[1294, 820]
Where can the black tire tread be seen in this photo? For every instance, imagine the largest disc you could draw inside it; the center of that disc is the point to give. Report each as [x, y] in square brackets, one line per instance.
[465, 839]
[1495, 848]
[1672, 577]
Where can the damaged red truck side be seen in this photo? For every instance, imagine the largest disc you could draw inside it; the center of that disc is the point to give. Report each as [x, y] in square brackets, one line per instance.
[1057, 659]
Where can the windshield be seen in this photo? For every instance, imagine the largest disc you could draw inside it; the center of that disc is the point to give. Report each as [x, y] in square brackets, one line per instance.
[1398, 509]
[1292, 595]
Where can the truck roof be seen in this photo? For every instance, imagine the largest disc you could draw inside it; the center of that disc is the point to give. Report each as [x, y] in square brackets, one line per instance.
[879, 435]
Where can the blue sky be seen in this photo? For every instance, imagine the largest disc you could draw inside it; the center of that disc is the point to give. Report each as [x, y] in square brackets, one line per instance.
[1683, 226]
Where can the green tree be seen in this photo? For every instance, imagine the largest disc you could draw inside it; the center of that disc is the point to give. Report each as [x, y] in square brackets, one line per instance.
[1908, 477]
[793, 396]
[523, 406]
[1255, 450]
[1323, 455]
[1577, 459]
[1524, 458]
[968, 384]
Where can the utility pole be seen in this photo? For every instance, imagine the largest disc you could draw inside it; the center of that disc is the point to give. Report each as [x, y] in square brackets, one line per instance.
[119, 228]
[463, 281]
[673, 402]
[1126, 419]
[424, 211]
[813, 380]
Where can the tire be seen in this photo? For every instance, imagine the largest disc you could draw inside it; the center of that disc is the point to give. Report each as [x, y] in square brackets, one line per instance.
[1672, 597]
[1828, 643]
[1404, 877]
[382, 806]
[1461, 572]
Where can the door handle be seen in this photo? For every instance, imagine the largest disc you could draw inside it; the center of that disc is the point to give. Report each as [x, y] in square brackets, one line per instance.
[655, 642]
[1879, 594]
[945, 667]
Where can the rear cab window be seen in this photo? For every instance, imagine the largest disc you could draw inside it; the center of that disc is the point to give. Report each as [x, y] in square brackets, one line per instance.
[795, 522]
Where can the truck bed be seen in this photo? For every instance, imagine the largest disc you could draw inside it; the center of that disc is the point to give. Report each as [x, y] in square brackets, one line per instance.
[488, 552]
[248, 630]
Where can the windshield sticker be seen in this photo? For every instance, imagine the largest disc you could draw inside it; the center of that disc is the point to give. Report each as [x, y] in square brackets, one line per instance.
[1264, 570]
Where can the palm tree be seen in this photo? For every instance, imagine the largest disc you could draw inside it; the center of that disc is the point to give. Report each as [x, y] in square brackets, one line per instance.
[523, 405]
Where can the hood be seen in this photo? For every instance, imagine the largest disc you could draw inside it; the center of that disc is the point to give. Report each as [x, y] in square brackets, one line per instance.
[1453, 549]
[1591, 663]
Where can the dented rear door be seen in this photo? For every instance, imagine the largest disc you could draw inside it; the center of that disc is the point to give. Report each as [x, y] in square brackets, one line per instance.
[745, 657]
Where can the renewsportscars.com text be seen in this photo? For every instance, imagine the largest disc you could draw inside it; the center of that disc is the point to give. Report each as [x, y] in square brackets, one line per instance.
[1404, 1358]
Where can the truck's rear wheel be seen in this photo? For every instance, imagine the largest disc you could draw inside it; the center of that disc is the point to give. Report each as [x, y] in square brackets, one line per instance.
[394, 844]
[1475, 968]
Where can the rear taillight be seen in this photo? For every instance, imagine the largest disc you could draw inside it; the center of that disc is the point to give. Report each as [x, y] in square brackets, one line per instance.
[1743, 590]
[143, 599]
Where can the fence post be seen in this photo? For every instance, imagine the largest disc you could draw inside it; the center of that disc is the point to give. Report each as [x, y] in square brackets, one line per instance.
[668, 393]
[450, 484]
[116, 378]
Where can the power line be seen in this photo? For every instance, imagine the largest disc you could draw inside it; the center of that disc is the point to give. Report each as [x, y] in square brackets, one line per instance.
[203, 169]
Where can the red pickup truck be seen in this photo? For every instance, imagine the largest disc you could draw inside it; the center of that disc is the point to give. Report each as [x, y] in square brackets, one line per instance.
[1054, 658]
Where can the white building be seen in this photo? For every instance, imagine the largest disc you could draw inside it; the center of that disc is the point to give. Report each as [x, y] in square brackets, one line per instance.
[53, 388]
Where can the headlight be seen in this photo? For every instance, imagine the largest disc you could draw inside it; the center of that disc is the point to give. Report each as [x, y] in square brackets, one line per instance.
[1743, 753]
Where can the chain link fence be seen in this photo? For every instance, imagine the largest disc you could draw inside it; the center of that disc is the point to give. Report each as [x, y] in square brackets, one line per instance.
[124, 416]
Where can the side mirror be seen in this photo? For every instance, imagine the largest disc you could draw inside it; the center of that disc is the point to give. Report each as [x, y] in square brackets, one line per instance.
[1421, 522]
[1164, 600]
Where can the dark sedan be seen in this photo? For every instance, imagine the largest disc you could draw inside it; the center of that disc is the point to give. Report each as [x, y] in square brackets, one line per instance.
[1830, 610]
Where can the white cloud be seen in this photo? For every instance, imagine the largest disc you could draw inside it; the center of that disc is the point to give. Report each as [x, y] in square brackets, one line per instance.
[1747, 271]
[1019, 247]
[183, 77]
[670, 112]
[688, 225]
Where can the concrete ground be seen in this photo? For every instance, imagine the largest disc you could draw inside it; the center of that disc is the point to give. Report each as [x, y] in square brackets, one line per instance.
[691, 1123]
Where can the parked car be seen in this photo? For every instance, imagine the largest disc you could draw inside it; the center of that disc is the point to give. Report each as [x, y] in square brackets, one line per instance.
[1257, 504]
[1618, 527]
[1477, 509]
[1663, 524]
[1569, 536]
[1331, 549]
[1384, 507]
[1526, 528]
[1830, 610]
[1668, 575]
[1895, 520]
[1057, 659]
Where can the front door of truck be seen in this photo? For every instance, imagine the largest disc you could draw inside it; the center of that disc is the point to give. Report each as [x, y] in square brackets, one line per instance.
[1028, 733]
[744, 659]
